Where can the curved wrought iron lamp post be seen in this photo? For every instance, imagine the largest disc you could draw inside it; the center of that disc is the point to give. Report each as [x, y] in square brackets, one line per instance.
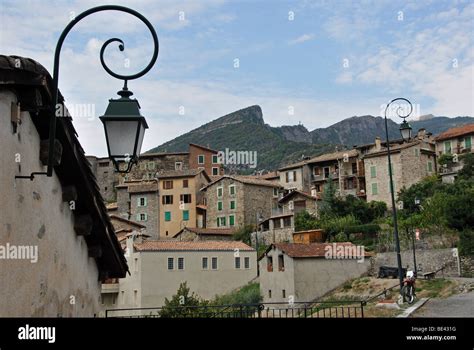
[405, 130]
[124, 93]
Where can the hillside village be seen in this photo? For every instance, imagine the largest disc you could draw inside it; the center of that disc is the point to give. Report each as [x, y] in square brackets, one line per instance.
[182, 217]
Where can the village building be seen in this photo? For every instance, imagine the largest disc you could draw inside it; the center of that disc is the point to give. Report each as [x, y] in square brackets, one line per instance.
[236, 201]
[158, 268]
[292, 272]
[455, 142]
[298, 201]
[275, 229]
[57, 242]
[181, 200]
[411, 162]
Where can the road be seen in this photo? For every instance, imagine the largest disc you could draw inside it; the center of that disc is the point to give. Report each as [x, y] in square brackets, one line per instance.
[459, 305]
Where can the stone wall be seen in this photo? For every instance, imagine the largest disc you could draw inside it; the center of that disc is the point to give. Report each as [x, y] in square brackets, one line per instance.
[152, 210]
[467, 266]
[284, 235]
[426, 260]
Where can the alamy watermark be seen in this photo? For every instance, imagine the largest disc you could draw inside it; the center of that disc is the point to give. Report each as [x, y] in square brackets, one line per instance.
[345, 251]
[229, 157]
[19, 252]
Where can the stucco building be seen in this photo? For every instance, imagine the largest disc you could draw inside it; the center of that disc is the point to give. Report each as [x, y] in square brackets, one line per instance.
[204, 234]
[56, 240]
[292, 272]
[157, 269]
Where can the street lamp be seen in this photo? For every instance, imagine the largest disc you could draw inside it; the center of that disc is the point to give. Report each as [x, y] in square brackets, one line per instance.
[259, 219]
[124, 126]
[405, 131]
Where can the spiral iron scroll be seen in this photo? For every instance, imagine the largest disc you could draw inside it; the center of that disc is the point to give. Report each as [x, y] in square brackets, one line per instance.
[400, 109]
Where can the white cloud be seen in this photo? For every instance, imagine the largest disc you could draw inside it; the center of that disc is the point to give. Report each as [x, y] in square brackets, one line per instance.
[302, 39]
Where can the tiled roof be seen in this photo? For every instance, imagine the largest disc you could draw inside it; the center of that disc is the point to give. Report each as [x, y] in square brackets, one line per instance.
[456, 132]
[397, 148]
[192, 246]
[311, 250]
[130, 222]
[292, 193]
[203, 147]
[111, 206]
[249, 180]
[323, 158]
[143, 187]
[208, 231]
[162, 154]
[179, 173]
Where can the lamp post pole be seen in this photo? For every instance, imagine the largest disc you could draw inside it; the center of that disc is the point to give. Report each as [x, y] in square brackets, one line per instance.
[258, 216]
[392, 192]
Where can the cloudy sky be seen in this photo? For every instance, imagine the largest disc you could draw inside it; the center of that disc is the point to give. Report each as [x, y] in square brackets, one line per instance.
[314, 62]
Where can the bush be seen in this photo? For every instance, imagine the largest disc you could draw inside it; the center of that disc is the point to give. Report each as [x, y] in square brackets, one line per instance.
[367, 229]
[249, 294]
[466, 243]
[305, 221]
[179, 304]
[243, 234]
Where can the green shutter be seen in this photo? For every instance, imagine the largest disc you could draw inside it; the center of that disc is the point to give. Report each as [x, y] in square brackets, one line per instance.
[231, 220]
[373, 172]
[232, 204]
[167, 216]
[185, 215]
[219, 205]
[468, 142]
[374, 189]
[430, 167]
[447, 146]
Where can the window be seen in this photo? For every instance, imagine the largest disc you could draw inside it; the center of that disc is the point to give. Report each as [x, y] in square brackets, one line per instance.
[275, 192]
[232, 204]
[185, 183]
[185, 215]
[354, 168]
[180, 263]
[135, 296]
[447, 146]
[327, 172]
[214, 263]
[205, 261]
[375, 189]
[142, 217]
[291, 176]
[247, 262]
[167, 216]
[215, 159]
[430, 167]
[283, 293]
[105, 188]
[170, 263]
[220, 191]
[168, 185]
[468, 142]
[178, 166]
[142, 166]
[269, 264]
[417, 152]
[232, 190]
[219, 205]
[215, 171]
[151, 165]
[103, 164]
[201, 159]
[142, 202]
[281, 263]
[237, 262]
[167, 199]
[269, 294]
[221, 221]
[231, 220]
[373, 172]
[185, 198]
[316, 171]
[136, 264]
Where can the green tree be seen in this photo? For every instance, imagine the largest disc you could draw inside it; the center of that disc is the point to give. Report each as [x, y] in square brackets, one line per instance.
[183, 304]
[243, 234]
[305, 221]
[467, 171]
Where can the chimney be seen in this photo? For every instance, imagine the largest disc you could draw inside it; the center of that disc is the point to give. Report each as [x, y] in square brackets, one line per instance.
[378, 144]
[421, 134]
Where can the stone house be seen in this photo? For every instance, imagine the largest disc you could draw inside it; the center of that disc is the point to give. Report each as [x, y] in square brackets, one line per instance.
[57, 242]
[296, 176]
[298, 201]
[455, 141]
[210, 268]
[106, 177]
[204, 234]
[139, 201]
[304, 272]
[201, 157]
[180, 200]
[235, 201]
[275, 229]
[411, 162]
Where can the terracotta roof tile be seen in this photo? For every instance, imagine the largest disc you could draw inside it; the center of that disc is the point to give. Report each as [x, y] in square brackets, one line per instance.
[456, 132]
[192, 246]
[209, 231]
[249, 180]
[323, 158]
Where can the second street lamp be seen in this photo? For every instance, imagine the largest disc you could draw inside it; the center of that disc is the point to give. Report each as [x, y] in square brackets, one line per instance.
[405, 130]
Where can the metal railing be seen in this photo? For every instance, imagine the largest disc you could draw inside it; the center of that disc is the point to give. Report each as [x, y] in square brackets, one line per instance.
[319, 309]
